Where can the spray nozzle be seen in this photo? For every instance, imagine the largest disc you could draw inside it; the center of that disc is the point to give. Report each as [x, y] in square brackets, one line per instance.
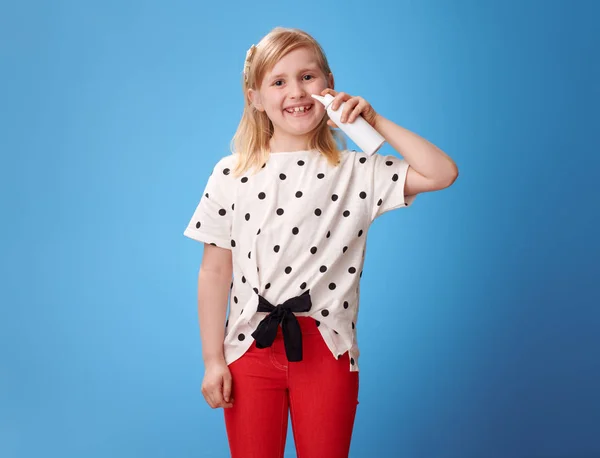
[324, 99]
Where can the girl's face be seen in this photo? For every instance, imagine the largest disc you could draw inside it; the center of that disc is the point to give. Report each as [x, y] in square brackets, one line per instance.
[287, 85]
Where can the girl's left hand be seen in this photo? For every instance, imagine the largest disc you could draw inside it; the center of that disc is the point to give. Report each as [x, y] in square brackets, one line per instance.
[354, 106]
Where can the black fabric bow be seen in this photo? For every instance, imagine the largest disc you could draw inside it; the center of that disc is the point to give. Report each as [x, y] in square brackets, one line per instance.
[266, 331]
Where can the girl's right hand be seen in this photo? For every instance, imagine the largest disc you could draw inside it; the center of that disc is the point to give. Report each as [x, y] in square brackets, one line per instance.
[216, 386]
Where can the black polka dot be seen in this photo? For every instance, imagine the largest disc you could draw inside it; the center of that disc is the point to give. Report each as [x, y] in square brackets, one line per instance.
[213, 244]
[323, 269]
[334, 197]
[288, 269]
[346, 213]
[328, 234]
[249, 255]
[276, 248]
[198, 225]
[261, 195]
[313, 250]
[268, 285]
[282, 176]
[233, 243]
[280, 211]
[244, 179]
[242, 312]
[318, 212]
[235, 299]
[300, 162]
[395, 177]
[388, 163]
[325, 312]
[222, 212]
[352, 270]
[247, 216]
[241, 337]
[295, 231]
[353, 325]
[345, 304]
[255, 289]
[331, 286]
[363, 195]
[318, 323]
[336, 332]
[299, 194]
[362, 160]
[226, 171]
[345, 248]
[360, 232]
[233, 206]
[303, 285]
[352, 361]
[258, 232]
[379, 202]
[320, 176]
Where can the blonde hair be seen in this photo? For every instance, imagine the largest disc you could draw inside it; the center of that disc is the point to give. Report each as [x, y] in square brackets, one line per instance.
[251, 140]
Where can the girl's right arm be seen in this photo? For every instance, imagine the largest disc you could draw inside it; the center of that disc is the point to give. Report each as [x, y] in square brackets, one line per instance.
[214, 280]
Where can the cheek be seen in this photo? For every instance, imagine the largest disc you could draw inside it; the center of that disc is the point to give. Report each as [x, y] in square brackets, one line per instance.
[276, 105]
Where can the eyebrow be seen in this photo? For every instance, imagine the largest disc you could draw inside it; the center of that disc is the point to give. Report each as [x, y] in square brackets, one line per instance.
[312, 69]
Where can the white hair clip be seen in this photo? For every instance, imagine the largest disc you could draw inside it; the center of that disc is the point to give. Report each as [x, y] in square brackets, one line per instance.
[248, 61]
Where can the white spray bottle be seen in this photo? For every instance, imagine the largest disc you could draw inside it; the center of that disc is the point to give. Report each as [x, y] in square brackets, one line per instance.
[359, 130]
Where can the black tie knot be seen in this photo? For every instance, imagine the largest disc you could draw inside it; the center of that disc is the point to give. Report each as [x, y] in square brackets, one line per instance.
[266, 330]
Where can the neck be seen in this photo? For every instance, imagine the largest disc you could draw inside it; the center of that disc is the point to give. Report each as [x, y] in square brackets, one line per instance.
[278, 144]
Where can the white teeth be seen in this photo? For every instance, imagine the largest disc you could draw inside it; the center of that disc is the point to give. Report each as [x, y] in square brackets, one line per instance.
[298, 109]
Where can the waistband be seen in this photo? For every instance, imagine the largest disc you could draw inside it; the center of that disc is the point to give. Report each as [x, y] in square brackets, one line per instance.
[308, 325]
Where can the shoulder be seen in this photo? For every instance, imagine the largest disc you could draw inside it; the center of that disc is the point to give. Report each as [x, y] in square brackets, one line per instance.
[224, 166]
[227, 161]
[356, 157]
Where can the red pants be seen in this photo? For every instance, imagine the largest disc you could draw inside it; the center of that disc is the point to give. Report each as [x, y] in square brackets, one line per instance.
[320, 392]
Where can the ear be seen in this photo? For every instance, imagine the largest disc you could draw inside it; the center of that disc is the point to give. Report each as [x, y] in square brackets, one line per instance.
[330, 81]
[255, 99]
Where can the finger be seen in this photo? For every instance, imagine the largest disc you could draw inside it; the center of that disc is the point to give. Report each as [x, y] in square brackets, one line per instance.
[339, 99]
[217, 396]
[208, 397]
[328, 91]
[214, 396]
[356, 111]
[212, 400]
[351, 106]
[227, 387]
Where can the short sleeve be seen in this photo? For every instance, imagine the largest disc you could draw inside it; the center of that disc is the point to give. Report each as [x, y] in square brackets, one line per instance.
[388, 177]
[212, 219]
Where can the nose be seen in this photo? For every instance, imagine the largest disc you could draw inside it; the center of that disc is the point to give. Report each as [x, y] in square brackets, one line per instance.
[297, 91]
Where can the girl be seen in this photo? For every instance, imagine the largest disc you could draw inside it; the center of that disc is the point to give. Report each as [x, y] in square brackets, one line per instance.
[287, 214]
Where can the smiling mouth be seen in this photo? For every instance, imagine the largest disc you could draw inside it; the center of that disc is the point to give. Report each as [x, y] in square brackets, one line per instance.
[298, 111]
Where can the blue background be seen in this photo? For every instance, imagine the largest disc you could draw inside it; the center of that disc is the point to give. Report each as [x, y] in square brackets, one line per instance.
[113, 115]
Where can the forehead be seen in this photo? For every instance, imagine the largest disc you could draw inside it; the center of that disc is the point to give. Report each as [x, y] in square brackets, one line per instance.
[296, 60]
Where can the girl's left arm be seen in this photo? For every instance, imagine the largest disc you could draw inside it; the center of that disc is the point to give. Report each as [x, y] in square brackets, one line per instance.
[432, 168]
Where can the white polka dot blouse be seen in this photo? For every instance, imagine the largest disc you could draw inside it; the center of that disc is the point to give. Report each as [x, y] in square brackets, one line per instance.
[298, 225]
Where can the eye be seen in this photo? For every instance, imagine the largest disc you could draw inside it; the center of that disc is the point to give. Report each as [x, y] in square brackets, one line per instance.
[312, 77]
[275, 83]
